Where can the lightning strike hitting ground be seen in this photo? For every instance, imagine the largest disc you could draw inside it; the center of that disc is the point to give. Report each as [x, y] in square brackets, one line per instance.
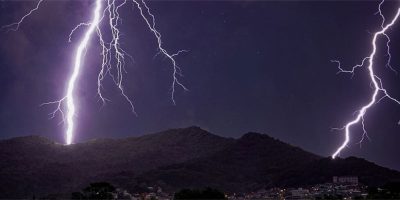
[376, 81]
[113, 56]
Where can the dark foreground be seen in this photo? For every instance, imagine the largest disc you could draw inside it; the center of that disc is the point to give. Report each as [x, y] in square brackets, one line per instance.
[172, 160]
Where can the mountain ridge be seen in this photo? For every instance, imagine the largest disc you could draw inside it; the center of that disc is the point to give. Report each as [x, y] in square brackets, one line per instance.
[172, 159]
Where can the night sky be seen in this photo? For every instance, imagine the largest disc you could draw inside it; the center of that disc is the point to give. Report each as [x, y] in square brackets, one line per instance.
[256, 66]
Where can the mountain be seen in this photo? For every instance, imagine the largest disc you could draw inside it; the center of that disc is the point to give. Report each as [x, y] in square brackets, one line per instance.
[250, 162]
[35, 165]
[172, 159]
[259, 161]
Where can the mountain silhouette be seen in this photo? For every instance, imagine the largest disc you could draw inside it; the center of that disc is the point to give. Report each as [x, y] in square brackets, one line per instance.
[173, 159]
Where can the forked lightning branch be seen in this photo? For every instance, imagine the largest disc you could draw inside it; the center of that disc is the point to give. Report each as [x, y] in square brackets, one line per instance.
[379, 92]
[105, 13]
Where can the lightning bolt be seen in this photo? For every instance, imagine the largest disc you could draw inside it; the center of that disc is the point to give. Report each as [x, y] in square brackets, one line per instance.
[113, 56]
[15, 26]
[379, 92]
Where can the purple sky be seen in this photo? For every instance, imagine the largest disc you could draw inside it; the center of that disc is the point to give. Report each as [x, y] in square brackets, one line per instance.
[253, 66]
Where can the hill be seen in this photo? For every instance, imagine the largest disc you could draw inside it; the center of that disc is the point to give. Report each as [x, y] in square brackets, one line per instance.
[35, 165]
[172, 159]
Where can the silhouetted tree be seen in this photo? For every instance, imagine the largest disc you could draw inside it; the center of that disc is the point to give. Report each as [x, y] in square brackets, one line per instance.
[388, 191]
[207, 193]
[77, 195]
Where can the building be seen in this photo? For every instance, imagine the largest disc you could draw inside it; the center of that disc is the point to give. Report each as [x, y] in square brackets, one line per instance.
[299, 193]
[353, 180]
